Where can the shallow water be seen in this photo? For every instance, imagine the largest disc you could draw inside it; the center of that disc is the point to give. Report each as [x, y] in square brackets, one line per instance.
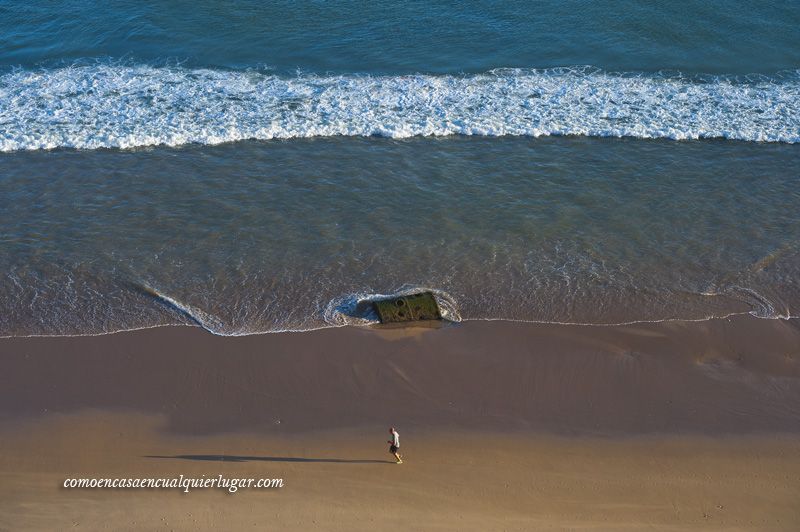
[263, 236]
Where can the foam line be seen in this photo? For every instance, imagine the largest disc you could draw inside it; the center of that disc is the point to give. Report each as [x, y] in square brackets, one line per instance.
[127, 106]
[196, 315]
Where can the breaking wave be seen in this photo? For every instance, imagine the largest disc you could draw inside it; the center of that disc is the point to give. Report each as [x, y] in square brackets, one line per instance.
[125, 106]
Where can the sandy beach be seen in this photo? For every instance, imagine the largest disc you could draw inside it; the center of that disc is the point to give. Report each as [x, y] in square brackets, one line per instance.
[505, 426]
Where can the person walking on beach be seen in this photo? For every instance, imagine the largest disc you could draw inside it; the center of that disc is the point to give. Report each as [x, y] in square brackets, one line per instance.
[394, 445]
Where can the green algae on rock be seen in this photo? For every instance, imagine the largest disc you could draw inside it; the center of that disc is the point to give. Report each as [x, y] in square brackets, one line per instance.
[414, 307]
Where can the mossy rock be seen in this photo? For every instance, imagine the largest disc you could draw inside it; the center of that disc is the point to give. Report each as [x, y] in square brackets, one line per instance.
[416, 307]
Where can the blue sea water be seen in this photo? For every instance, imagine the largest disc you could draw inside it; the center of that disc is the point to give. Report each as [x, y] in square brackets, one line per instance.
[262, 166]
[409, 37]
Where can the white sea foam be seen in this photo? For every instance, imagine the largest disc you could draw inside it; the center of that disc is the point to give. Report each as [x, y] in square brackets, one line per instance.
[125, 106]
[200, 317]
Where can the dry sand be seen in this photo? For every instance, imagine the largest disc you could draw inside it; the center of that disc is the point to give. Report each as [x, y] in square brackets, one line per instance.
[504, 426]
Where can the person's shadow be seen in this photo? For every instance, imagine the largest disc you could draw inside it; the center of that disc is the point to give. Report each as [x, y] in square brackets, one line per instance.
[233, 458]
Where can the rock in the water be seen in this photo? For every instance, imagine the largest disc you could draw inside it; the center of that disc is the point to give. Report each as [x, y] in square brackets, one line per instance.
[416, 307]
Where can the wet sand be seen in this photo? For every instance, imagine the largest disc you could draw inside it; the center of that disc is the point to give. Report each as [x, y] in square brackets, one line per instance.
[504, 426]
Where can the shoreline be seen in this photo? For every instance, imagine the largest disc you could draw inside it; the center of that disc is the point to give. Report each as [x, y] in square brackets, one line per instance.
[444, 323]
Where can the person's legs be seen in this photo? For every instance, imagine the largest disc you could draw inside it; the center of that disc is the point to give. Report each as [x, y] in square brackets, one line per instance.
[395, 451]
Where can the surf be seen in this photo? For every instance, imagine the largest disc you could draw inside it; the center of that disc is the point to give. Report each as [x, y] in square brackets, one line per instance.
[107, 105]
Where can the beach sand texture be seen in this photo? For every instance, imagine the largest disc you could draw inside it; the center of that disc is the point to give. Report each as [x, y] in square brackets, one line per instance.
[504, 426]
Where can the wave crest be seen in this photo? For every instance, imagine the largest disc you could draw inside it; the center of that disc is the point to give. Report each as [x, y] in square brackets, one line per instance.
[126, 106]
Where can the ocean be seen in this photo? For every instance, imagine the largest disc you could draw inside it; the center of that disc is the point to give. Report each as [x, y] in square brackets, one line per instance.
[256, 167]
